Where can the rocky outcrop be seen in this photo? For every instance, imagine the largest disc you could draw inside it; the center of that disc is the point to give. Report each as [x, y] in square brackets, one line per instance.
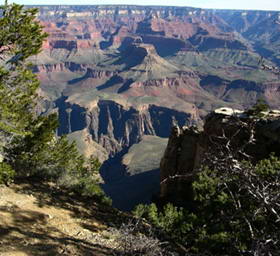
[188, 146]
[60, 67]
[117, 74]
[132, 71]
[115, 126]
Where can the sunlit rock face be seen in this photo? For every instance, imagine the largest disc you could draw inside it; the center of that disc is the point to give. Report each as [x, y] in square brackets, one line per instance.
[120, 77]
[117, 73]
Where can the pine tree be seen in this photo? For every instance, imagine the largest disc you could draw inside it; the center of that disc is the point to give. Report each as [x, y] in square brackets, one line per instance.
[21, 36]
[28, 142]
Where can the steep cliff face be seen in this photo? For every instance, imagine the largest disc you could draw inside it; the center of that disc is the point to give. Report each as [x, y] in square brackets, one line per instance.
[187, 146]
[115, 126]
[117, 73]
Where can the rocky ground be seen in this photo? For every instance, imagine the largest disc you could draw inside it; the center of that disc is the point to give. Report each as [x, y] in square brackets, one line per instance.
[41, 220]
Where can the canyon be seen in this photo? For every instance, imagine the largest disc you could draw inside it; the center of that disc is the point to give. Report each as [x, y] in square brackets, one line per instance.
[121, 77]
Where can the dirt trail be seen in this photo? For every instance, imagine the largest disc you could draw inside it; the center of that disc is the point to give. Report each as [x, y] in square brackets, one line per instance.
[40, 220]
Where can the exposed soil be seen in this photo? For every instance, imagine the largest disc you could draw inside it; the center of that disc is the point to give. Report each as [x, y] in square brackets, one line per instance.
[41, 220]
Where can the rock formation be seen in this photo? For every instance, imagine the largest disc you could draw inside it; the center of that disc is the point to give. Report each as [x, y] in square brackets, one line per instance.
[114, 125]
[118, 73]
[251, 137]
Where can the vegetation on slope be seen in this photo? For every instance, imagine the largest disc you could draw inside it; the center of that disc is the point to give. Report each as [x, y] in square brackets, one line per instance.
[233, 212]
[28, 144]
[233, 206]
[52, 180]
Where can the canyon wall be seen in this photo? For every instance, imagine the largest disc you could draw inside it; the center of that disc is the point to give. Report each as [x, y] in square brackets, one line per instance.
[119, 76]
[115, 126]
[252, 138]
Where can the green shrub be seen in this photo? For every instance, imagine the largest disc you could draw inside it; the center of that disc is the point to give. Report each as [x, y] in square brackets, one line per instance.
[170, 219]
[258, 108]
[6, 173]
[84, 179]
[235, 211]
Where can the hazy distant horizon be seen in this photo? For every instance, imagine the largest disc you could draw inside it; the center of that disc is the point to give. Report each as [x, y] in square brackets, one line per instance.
[272, 5]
